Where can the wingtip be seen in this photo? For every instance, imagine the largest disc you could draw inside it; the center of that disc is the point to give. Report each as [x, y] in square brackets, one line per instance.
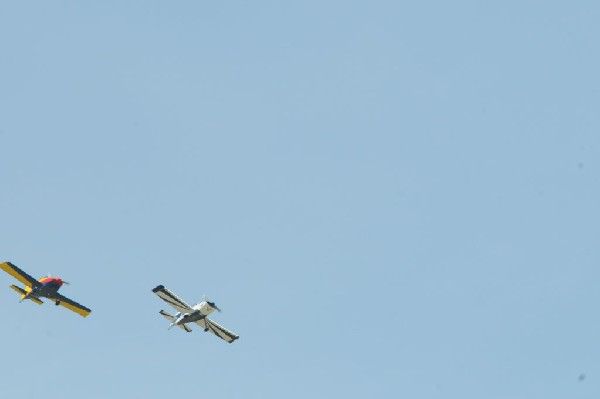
[158, 288]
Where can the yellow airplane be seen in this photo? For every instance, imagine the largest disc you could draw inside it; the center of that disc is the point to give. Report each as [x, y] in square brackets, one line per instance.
[46, 287]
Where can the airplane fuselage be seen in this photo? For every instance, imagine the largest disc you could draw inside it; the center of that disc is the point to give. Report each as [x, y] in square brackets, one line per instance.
[48, 289]
[201, 310]
[182, 318]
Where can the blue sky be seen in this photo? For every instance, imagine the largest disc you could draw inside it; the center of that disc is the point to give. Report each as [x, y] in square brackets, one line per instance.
[387, 199]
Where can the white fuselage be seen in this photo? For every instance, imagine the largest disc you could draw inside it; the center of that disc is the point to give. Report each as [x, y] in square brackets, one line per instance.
[200, 311]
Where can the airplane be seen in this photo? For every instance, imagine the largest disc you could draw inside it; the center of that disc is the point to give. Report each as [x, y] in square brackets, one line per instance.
[46, 287]
[192, 314]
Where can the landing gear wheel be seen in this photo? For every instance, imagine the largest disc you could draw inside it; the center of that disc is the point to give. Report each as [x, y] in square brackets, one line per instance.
[57, 303]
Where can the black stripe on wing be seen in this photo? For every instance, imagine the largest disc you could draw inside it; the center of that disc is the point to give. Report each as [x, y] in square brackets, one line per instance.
[171, 298]
[221, 332]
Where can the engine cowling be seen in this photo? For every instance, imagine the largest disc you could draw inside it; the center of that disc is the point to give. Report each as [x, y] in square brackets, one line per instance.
[204, 308]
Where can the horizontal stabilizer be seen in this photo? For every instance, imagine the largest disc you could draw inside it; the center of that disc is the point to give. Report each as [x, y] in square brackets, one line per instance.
[172, 320]
[18, 289]
[167, 316]
[23, 293]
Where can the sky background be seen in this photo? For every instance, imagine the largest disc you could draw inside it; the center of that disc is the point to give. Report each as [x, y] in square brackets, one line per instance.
[387, 199]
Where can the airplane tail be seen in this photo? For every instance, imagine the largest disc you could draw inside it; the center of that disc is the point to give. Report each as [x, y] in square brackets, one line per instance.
[24, 294]
[172, 320]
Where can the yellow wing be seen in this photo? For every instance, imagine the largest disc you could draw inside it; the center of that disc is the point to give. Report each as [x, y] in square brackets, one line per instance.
[71, 305]
[19, 274]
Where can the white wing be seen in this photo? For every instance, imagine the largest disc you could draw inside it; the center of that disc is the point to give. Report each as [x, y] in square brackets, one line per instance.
[219, 331]
[177, 303]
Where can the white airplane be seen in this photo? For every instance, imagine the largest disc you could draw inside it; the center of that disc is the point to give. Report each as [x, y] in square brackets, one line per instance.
[192, 314]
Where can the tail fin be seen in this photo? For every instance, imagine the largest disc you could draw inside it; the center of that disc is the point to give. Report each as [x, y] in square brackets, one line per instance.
[24, 294]
[172, 319]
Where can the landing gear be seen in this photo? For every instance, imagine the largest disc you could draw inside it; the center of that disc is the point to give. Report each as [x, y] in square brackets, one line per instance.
[57, 303]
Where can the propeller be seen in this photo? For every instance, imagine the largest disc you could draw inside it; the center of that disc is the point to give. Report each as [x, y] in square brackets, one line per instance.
[211, 304]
